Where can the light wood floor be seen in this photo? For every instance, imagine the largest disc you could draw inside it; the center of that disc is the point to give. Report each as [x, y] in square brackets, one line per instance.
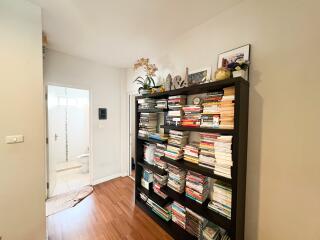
[108, 213]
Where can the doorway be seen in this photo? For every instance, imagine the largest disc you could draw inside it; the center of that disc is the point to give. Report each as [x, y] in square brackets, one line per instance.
[68, 139]
[132, 135]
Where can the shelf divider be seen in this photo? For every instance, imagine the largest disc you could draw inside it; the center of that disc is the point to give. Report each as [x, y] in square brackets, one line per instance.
[198, 129]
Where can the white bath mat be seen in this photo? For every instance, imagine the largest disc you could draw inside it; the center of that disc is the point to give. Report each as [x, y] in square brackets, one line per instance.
[67, 200]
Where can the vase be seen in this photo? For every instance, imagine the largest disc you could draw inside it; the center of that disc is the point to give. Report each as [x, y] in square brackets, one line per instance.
[145, 91]
[239, 73]
[222, 74]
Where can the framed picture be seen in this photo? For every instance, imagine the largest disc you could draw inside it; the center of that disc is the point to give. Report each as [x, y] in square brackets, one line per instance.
[233, 55]
[199, 76]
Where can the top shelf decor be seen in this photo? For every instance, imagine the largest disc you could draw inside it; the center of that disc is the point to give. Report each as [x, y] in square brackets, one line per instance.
[236, 61]
[150, 71]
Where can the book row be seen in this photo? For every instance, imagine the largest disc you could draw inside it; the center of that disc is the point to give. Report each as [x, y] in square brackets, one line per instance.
[213, 151]
[185, 218]
[193, 185]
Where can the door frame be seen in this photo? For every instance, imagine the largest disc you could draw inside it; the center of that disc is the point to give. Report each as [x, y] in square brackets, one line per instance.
[90, 159]
[130, 96]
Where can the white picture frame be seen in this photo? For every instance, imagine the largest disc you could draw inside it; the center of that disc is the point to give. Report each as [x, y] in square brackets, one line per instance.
[199, 76]
[226, 57]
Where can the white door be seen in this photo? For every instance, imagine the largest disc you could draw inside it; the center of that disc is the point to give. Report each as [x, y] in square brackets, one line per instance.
[56, 131]
[68, 139]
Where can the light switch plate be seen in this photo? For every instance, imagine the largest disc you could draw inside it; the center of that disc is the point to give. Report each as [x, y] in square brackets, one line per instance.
[14, 139]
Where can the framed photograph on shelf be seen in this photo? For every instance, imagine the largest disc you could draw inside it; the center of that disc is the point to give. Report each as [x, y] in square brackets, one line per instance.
[199, 76]
[235, 55]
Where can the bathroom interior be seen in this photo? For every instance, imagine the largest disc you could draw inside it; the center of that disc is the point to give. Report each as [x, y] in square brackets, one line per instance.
[68, 139]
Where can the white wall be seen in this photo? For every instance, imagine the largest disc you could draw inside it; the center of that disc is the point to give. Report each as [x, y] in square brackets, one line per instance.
[22, 171]
[106, 91]
[283, 192]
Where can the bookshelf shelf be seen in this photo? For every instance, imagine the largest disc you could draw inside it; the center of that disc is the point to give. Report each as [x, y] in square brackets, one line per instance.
[152, 110]
[201, 209]
[198, 129]
[218, 85]
[153, 168]
[153, 196]
[151, 140]
[235, 225]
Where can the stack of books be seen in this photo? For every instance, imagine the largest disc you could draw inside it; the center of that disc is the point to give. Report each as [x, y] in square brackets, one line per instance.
[158, 154]
[158, 182]
[161, 104]
[149, 150]
[173, 152]
[192, 116]
[191, 152]
[175, 104]
[197, 187]
[221, 199]
[146, 103]
[211, 232]
[227, 108]
[223, 156]
[207, 153]
[147, 178]
[147, 124]
[179, 214]
[174, 117]
[176, 178]
[210, 116]
[158, 136]
[194, 223]
[143, 197]
[147, 175]
[177, 140]
[164, 213]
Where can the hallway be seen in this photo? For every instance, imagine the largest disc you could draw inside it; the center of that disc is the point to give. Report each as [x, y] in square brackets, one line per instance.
[108, 213]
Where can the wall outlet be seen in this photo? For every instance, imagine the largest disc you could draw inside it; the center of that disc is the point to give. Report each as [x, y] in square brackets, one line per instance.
[14, 139]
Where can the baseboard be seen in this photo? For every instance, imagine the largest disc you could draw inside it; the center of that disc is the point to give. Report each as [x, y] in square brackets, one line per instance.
[105, 179]
[125, 174]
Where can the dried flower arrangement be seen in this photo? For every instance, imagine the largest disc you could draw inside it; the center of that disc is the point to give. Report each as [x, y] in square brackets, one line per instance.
[150, 69]
[238, 64]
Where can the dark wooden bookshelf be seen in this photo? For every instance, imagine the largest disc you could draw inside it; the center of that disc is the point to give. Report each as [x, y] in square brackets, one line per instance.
[235, 225]
[196, 168]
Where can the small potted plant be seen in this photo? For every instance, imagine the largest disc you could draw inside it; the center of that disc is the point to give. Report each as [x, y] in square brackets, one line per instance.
[147, 83]
[239, 67]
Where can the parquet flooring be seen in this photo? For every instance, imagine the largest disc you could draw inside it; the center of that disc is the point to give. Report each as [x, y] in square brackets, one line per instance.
[107, 214]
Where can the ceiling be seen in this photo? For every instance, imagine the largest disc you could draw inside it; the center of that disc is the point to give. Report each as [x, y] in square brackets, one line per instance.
[117, 32]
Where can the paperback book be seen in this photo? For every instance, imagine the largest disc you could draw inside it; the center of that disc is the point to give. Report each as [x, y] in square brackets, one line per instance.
[191, 152]
[176, 178]
[179, 214]
[197, 187]
[221, 199]
[194, 223]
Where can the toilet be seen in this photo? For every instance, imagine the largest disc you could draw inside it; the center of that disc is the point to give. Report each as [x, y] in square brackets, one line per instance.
[84, 161]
